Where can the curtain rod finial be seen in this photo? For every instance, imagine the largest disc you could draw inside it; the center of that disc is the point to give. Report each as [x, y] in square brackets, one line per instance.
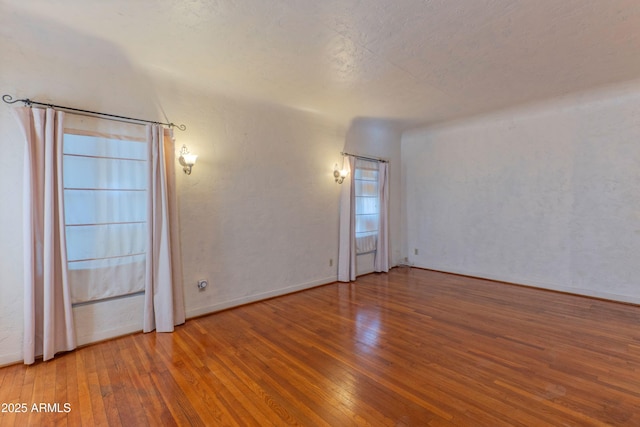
[9, 99]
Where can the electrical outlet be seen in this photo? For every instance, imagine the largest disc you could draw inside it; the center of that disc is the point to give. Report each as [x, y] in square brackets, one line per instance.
[330, 262]
[415, 251]
[202, 284]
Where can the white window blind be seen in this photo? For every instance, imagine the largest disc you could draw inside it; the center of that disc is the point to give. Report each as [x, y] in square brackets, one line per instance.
[367, 205]
[105, 204]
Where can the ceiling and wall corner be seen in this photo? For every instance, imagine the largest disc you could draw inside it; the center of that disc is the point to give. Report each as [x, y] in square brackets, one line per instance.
[416, 62]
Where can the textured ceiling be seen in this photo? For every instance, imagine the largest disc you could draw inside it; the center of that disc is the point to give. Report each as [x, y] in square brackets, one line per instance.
[411, 61]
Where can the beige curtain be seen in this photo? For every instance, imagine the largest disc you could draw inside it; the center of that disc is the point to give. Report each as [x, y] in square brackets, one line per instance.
[164, 299]
[48, 316]
[381, 261]
[347, 243]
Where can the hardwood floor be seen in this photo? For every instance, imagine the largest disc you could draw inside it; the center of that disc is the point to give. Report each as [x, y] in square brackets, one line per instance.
[408, 348]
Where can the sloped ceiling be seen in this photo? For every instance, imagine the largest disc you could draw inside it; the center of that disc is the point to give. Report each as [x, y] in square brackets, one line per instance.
[412, 61]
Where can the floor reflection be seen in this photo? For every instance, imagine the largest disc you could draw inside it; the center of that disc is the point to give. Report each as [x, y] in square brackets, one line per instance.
[368, 328]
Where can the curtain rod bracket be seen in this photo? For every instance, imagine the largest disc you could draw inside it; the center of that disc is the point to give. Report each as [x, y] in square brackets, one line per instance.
[29, 103]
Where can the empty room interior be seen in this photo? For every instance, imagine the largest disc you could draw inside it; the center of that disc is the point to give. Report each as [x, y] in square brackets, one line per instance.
[341, 212]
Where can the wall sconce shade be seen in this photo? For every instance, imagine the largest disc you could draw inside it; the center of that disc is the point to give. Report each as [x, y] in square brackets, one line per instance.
[187, 160]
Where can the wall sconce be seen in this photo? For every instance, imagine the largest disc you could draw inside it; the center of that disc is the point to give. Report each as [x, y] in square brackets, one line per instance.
[187, 160]
[340, 174]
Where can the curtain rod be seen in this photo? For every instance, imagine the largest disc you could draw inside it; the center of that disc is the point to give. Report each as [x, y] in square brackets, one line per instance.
[28, 103]
[373, 159]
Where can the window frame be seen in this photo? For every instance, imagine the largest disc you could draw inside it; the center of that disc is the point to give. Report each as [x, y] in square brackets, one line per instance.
[123, 266]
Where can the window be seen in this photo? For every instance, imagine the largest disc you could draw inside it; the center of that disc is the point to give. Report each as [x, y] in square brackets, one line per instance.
[367, 206]
[105, 205]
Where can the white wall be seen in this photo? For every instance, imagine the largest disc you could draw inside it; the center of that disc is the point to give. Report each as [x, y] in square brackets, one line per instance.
[545, 195]
[380, 139]
[258, 215]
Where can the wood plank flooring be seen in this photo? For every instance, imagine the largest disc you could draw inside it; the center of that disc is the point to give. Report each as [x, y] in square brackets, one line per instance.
[408, 348]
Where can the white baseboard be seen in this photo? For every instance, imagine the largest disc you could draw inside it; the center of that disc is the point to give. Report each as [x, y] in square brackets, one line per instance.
[534, 284]
[13, 358]
[602, 295]
[109, 334]
[10, 359]
[200, 311]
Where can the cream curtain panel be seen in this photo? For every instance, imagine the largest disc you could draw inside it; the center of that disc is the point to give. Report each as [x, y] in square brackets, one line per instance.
[48, 316]
[381, 260]
[347, 243]
[164, 299]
